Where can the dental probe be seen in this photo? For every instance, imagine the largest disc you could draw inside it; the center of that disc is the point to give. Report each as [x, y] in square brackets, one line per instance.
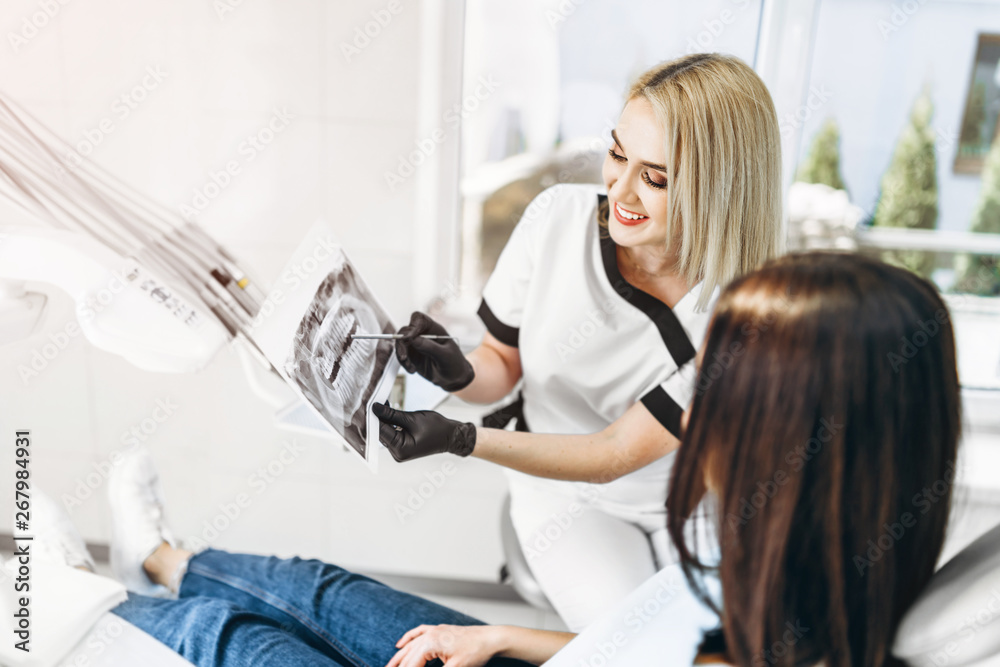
[395, 336]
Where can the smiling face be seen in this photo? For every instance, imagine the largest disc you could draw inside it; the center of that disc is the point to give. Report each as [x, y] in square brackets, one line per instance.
[635, 175]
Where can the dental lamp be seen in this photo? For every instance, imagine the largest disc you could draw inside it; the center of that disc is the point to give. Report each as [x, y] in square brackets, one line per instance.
[120, 307]
[147, 284]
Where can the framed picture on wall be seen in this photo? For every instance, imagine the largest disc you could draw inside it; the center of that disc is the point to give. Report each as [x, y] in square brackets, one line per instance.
[982, 107]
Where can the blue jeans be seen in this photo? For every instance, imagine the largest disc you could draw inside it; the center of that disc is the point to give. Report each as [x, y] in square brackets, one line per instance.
[237, 610]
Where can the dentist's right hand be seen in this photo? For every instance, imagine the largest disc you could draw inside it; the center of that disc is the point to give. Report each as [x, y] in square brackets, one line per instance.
[439, 360]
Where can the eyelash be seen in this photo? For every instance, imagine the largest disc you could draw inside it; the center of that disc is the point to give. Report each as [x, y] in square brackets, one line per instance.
[645, 175]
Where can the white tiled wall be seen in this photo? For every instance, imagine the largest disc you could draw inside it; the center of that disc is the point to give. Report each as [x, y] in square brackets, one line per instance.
[222, 78]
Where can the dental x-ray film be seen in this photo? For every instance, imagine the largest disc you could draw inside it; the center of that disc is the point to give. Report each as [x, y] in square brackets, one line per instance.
[307, 329]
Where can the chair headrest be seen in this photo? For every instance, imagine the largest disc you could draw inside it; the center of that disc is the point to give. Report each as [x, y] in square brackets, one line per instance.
[956, 620]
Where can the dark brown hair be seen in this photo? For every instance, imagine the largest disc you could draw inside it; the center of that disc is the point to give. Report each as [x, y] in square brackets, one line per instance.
[826, 420]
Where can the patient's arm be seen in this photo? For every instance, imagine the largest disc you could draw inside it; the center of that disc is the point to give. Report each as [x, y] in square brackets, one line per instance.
[534, 646]
[472, 646]
[634, 440]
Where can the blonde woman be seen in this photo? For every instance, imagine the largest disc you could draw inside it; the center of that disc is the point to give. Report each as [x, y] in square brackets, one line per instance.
[597, 305]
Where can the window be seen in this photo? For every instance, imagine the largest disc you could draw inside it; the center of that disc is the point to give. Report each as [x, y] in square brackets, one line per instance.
[561, 70]
[982, 106]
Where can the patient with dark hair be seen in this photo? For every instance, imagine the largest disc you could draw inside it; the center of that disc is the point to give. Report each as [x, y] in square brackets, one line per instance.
[810, 439]
[822, 438]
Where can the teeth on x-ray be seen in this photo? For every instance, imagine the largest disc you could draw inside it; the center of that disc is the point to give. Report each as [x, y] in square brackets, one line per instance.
[345, 348]
[336, 373]
[345, 355]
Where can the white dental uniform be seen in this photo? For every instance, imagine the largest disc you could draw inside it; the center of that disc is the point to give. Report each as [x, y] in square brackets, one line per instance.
[591, 346]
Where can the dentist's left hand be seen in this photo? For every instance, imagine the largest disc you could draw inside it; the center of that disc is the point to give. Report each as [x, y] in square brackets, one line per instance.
[413, 435]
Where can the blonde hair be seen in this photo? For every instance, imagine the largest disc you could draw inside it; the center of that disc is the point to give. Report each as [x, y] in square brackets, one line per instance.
[723, 159]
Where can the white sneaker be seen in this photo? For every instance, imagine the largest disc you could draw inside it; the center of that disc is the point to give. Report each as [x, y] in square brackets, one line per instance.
[56, 539]
[138, 526]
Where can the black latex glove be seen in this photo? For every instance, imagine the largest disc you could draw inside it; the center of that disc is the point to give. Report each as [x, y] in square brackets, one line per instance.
[440, 360]
[422, 433]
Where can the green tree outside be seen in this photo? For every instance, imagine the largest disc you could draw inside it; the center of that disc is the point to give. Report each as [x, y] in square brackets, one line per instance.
[822, 165]
[909, 193]
[980, 274]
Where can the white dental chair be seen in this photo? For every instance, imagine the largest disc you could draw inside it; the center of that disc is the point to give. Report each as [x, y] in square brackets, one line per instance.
[114, 642]
[956, 620]
[72, 625]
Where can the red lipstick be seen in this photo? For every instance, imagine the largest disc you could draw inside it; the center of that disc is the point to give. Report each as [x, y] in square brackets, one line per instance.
[628, 222]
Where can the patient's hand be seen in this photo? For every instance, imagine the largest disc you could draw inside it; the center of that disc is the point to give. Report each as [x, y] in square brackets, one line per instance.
[454, 645]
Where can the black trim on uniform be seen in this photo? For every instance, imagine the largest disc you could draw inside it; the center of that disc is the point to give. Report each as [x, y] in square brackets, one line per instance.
[665, 409]
[501, 417]
[670, 328]
[504, 333]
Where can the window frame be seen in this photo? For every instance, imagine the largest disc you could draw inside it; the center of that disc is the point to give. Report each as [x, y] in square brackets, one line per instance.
[974, 165]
